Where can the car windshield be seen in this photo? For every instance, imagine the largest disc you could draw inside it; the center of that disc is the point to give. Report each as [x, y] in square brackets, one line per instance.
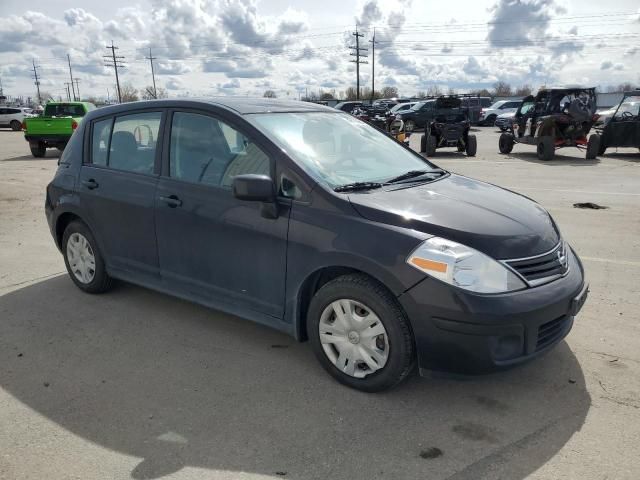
[418, 106]
[401, 106]
[631, 106]
[338, 149]
[497, 105]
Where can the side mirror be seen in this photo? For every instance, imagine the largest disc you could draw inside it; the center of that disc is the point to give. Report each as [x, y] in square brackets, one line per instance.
[254, 188]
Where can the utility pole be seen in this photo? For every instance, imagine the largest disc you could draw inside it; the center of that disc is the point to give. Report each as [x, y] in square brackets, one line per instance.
[114, 61]
[66, 86]
[357, 61]
[151, 58]
[71, 75]
[373, 63]
[76, 81]
[35, 75]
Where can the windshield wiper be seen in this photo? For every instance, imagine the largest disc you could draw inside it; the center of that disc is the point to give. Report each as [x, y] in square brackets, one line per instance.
[415, 174]
[350, 187]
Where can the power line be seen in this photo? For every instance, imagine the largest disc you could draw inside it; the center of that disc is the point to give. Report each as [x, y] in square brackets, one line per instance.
[357, 61]
[114, 61]
[151, 58]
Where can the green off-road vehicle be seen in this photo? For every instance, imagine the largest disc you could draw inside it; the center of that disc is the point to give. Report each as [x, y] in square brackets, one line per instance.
[55, 127]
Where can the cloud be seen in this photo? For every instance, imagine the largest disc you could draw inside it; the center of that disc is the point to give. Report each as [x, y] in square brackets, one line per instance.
[518, 22]
[171, 67]
[609, 65]
[174, 83]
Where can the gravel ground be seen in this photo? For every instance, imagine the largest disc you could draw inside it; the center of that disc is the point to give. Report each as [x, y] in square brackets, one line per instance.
[136, 384]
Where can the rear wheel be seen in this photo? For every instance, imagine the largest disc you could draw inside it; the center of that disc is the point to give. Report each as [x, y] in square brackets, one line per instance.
[505, 143]
[593, 147]
[38, 149]
[359, 333]
[490, 120]
[546, 148]
[15, 125]
[409, 126]
[472, 145]
[83, 260]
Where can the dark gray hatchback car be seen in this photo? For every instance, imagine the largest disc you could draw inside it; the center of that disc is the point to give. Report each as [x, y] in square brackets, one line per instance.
[306, 219]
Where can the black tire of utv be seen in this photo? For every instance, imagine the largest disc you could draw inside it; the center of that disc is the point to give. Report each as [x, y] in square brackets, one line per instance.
[15, 125]
[423, 143]
[430, 145]
[101, 282]
[374, 295]
[38, 149]
[472, 145]
[546, 149]
[593, 147]
[505, 143]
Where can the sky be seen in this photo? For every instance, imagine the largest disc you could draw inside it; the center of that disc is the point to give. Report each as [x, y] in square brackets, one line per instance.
[244, 47]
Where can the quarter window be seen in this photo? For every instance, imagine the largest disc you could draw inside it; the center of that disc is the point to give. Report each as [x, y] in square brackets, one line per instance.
[100, 141]
[206, 150]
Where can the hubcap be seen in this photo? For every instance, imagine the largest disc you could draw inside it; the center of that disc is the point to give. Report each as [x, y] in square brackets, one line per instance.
[353, 338]
[80, 257]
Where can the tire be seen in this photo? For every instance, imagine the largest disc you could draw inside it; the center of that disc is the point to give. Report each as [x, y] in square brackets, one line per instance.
[423, 143]
[409, 126]
[546, 148]
[490, 120]
[593, 147]
[505, 143]
[38, 149]
[398, 342]
[430, 145]
[472, 145]
[15, 125]
[100, 281]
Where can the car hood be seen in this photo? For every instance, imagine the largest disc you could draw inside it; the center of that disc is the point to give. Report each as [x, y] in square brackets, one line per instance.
[495, 221]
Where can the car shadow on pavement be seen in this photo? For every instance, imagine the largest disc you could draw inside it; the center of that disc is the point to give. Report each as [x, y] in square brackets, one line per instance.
[22, 158]
[176, 385]
[561, 159]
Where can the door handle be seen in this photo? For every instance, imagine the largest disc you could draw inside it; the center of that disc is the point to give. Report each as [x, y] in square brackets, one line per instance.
[171, 201]
[90, 184]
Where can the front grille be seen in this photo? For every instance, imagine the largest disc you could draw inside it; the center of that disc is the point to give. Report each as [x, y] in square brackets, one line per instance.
[549, 332]
[542, 268]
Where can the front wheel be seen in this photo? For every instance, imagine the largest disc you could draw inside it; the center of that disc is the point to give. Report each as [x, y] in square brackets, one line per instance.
[593, 147]
[360, 334]
[505, 143]
[38, 149]
[83, 260]
[546, 148]
[472, 145]
[431, 145]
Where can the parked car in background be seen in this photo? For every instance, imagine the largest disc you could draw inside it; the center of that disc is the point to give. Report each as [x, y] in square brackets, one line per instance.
[305, 219]
[55, 127]
[348, 106]
[489, 115]
[401, 107]
[622, 128]
[12, 117]
[504, 120]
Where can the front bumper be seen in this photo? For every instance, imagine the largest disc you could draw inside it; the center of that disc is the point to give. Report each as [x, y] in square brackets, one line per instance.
[459, 332]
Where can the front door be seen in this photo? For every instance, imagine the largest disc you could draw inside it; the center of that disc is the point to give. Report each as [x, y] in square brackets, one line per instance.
[117, 188]
[211, 245]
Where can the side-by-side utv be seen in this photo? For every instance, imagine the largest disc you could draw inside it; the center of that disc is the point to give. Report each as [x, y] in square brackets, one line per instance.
[622, 129]
[447, 125]
[553, 119]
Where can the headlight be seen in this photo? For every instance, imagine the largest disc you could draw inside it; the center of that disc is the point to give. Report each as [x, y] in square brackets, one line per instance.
[463, 267]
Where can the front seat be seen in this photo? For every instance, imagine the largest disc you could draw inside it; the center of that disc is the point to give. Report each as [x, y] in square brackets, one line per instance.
[123, 151]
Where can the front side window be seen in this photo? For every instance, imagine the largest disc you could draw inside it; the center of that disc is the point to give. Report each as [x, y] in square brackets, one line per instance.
[100, 141]
[337, 149]
[133, 142]
[206, 150]
[629, 109]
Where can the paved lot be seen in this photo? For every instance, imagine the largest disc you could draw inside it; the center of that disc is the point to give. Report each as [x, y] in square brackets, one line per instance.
[135, 384]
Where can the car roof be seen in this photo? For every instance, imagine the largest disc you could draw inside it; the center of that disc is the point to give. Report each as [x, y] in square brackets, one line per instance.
[241, 105]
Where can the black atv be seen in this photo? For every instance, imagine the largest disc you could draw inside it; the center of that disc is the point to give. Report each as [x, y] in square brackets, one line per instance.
[448, 126]
[554, 118]
[622, 129]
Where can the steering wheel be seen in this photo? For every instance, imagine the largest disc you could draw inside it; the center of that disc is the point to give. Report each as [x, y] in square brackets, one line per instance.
[627, 114]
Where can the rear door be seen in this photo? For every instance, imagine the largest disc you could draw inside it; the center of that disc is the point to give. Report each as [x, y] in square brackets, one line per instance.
[3, 117]
[117, 188]
[212, 245]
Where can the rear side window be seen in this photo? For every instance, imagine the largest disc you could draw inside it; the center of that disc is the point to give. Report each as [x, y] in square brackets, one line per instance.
[100, 141]
[133, 142]
[485, 102]
[13, 111]
[206, 150]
